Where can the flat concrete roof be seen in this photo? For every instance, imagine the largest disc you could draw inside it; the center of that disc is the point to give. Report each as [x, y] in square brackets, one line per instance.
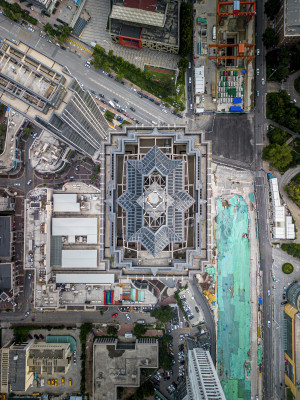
[75, 227]
[5, 236]
[5, 277]
[79, 259]
[66, 203]
[139, 16]
[89, 279]
[118, 364]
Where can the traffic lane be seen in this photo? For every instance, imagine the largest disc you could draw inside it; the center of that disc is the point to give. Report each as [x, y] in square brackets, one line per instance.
[208, 317]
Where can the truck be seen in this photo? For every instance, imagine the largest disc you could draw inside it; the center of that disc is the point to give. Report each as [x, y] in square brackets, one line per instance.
[93, 44]
[214, 33]
[128, 335]
[111, 104]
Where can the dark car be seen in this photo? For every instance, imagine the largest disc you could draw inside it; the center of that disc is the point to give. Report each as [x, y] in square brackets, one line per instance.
[156, 102]
[63, 47]
[110, 75]
[42, 336]
[116, 100]
[57, 4]
[93, 91]
[179, 115]
[27, 12]
[150, 98]
[144, 95]
[28, 5]
[36, 337]
[54, 10]
[29, 336]
[284, 302]
[101, 95]
[196, 308]
[132, 109]
[122, 82]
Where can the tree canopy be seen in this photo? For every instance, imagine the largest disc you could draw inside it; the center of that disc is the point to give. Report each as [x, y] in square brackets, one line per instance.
[139, 330]
[112, 330]
[163, 313]
[293, 249]
[293, 189]
[272, 7]
[282, 110]
[270, 38]
[279, 156]
[277, 135]
[186, 29]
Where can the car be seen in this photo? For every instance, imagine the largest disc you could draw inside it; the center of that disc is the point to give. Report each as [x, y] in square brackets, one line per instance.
[274, 286]
[101, 95]
[127, 316]
[189, 88]
[257, 52]
[30, 29]
[87, 65]
[190, 80]
[26, 314]
[115, 315]
[74, 361]
[203, 98]
[116, 100]
[257, 71]
[257, 93]
[164, 110]
[284, 289]
[150, 98]
[93, 91]
[17, 184]
[63, 47]
[36, 337]
[156, 102]
[263, 81]
[284, 302]
[62, 381]
[269, 293]
[169, 331]
[49, 382]
[179, 116]
[70, 382]
[33, 319]
[110, 76]
[197, 309]
[283, 296]
[53, 382]
[122, 82]
[269, 324]
[132, 109]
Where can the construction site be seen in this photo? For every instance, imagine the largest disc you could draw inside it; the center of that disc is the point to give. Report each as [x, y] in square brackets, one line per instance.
[226, 48]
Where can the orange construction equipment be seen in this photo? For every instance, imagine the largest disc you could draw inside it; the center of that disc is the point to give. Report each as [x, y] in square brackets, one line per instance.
[226, 8]
[245, 51]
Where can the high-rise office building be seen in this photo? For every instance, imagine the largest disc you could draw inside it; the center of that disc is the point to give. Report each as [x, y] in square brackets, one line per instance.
[46, 93]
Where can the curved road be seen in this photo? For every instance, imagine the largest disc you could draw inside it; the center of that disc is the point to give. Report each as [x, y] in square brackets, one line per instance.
[208, 316]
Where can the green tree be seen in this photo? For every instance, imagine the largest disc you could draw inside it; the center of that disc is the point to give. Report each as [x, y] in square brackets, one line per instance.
[112, 330]
[279, 156]
[270, 38]
[277, 135]
[186, 29]
[139, 330]
[272, 7]
[293, 249]
[163, 314]
[27, 131]
[183, 63]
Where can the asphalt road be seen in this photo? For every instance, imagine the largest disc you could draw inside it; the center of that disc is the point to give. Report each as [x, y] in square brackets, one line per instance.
[208, 317]
[92, 79]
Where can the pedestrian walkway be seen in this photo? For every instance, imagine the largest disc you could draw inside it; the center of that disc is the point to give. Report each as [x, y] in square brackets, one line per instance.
[233, 330]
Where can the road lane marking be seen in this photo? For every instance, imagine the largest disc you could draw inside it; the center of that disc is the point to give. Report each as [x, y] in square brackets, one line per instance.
[117, 94]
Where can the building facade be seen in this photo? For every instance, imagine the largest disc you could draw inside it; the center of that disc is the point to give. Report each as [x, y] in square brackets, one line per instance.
[158, 201]
[45, 92]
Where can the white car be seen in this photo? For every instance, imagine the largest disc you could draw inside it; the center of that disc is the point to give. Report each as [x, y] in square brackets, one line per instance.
[164, 110]
[30, 29]
[257, 52]
[127, 316]
[269, 324]
[263, 81]
[17, 184]
[257, 71]
[29, 182]
[87, 64]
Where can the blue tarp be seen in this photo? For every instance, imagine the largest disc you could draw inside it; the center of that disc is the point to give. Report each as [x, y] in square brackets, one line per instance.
[270, 176]
[260, 301]
[236, 109]
[237, 100]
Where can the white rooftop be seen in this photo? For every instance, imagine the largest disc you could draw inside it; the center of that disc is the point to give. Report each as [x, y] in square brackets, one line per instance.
[91, 279]
[76, 227]
[199, 80]
[66, 202]
[79, 259]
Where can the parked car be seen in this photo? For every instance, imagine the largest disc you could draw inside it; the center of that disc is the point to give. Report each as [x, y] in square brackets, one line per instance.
[132, 109]
[115, 315]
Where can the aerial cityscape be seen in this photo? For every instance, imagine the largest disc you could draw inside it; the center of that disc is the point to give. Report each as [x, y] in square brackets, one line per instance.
[149, 200]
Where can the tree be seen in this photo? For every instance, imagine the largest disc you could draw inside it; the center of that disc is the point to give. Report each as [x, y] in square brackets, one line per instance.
[186, 29]
[112, 330]
[279, 156]
[270, 38]
[277, 135]
[271, 8]
[163, 314]
[293, 249]
[139, 330]
[27, 131]
[183, 63]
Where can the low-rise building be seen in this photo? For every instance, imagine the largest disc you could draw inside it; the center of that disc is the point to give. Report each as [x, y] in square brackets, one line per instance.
[21, 363]
[143, 23]
[118, 363]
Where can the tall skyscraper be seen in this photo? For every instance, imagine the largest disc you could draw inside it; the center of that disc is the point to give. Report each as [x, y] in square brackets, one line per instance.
[46, 93]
